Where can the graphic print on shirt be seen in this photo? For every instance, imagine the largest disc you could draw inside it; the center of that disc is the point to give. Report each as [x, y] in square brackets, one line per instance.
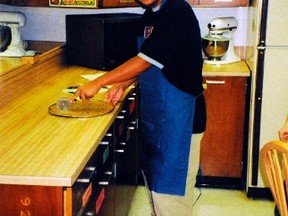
[148, 31]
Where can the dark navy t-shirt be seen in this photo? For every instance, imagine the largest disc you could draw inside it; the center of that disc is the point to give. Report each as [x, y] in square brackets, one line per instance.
[175, 42]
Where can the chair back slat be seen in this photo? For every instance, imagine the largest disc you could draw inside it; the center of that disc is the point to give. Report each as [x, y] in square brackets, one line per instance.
[274, 159]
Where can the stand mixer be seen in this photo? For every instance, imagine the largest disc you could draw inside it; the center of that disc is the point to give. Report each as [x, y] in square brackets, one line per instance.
[218, 44]
[14, 20]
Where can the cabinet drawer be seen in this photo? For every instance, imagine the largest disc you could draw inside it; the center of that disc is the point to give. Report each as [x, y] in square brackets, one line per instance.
[96, 174]
[224, 135]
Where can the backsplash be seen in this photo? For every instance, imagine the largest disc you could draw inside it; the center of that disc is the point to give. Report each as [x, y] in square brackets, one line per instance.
[48, 24]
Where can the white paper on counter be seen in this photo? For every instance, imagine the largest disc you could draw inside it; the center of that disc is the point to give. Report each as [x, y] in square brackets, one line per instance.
[89, 77]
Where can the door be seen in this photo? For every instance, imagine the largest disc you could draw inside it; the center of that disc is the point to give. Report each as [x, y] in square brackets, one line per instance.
[222, 144]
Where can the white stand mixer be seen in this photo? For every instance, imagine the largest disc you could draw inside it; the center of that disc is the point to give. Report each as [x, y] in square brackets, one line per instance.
[224, 27]
[14, 20]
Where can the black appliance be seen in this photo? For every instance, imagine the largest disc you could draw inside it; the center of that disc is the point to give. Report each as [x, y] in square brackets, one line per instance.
[102, 41]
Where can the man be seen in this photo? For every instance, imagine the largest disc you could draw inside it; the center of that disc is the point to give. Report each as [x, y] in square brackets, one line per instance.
[169, 68]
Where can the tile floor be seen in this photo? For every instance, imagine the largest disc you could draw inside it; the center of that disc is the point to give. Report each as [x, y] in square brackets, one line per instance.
[212, 202]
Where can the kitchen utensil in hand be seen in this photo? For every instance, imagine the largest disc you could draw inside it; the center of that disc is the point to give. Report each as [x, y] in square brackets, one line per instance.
[63, 104]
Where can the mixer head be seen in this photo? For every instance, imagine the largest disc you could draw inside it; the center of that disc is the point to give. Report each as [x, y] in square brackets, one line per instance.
[220, 25]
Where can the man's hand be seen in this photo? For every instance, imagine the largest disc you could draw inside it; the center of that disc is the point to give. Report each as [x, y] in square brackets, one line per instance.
[87, 91]
[114, 94]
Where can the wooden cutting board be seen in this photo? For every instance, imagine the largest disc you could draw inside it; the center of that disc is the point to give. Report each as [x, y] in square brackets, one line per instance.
[83, 109]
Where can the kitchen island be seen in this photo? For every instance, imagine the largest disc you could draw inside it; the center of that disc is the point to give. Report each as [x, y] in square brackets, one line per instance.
[43, 157]
[45, 154]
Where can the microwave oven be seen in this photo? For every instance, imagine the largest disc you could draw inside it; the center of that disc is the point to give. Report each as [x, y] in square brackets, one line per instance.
[102, 41]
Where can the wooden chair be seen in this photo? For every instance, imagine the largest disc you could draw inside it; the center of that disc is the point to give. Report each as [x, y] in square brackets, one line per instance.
[274, 159]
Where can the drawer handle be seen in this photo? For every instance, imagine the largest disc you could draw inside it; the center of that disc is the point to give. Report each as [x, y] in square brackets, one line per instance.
[83, 180]
[104, 143]
[108, 173]
[119, 150]
[103, 182]
[217, 82]
[122, 143]
[108, 134]
[90, 168]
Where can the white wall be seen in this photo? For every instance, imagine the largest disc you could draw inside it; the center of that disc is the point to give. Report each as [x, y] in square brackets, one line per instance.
[48, 24]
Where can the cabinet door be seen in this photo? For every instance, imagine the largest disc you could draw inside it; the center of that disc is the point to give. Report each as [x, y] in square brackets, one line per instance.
[39, 3]
[228, 3]
[222, 144]
[5, 1]
[117, 3]
[31, 200]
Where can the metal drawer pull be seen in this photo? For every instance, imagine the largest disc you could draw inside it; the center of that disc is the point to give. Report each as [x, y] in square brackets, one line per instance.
[131, 127]
[119, 150]
[90, 213]
[90, 168]
[83, 180]
[217, 82]
[108, 173]
[122, 143]
[103, 183]
[131, 98]
[108, 134]
[104, 143]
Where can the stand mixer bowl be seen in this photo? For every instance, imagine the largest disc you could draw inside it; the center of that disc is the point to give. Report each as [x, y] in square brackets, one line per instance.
[215, 48]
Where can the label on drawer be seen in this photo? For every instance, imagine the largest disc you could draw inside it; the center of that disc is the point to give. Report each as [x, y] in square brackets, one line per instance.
[100, 200]
[105, 154]
[132, 106]
[87, 194]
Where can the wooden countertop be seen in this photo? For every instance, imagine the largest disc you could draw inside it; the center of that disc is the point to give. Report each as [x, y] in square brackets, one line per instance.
[38, 148]
[237, 69]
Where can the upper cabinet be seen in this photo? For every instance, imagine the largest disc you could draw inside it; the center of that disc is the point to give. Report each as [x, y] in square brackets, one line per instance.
[132, 3]
[39, 3]
[219, 3]
[117, 3]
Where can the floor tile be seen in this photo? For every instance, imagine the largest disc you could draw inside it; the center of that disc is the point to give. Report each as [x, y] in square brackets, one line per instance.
[211, 202]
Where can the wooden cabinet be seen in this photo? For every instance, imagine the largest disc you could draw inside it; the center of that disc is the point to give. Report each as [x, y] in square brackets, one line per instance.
[223, 141]
[117, 3]
[132, 3]
[45, 3]
[39, 3]
[219, 3]
[105, 186]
